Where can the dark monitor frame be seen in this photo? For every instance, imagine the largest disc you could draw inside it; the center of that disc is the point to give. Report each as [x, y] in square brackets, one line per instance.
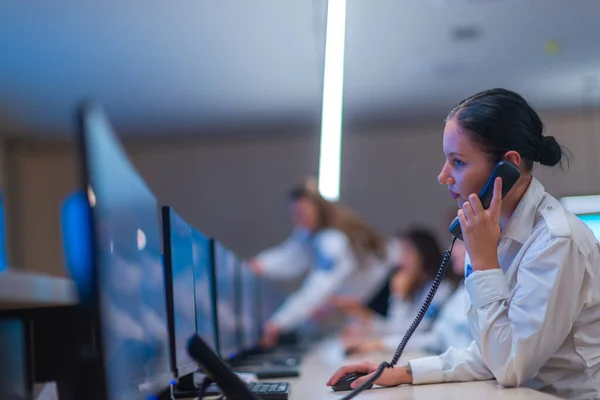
[215, 294]
[22, 347]
[75, 339]
[257, 298]
[211, 287]
[190, 367]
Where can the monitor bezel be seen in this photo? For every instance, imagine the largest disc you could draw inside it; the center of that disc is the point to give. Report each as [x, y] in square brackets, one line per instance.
[92, 303]
[187, 368]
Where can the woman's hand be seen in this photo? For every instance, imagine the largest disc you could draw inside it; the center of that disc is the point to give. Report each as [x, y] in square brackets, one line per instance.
[256, 267]
[481, 229]
[389, 377]
[270, 335]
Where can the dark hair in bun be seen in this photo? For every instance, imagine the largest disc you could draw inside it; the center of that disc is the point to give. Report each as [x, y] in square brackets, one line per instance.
[499, 120]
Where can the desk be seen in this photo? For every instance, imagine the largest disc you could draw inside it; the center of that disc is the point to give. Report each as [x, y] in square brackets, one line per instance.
[324, 360]
[20, 290]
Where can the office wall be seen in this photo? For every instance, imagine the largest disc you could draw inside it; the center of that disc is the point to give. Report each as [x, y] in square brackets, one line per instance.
[234, 189]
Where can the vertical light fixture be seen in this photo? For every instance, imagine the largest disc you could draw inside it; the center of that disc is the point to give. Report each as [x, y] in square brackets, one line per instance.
[333, 88]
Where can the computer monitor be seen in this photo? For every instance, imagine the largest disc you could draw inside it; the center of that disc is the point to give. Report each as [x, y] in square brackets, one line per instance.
[125, 301]
[587, 208]
[204, 289]
[3, 262]
[225, 279]
[15, 374]
[179, 276]
[250, 319]
[271, 298]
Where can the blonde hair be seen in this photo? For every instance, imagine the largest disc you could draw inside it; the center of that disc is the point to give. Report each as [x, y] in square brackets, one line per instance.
[363, 239]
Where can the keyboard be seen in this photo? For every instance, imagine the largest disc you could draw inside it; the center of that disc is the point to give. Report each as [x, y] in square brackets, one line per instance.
[262, 390]
[269, 371]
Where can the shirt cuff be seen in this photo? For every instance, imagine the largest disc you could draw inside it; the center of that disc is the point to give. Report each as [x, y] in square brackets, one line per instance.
[486, 287]
[427, 370]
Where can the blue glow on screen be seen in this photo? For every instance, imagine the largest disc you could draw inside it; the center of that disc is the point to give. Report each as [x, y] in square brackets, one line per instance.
[593, 222]
[3, 263]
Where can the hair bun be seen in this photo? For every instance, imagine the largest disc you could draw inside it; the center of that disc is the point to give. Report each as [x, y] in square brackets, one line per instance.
[550, 152]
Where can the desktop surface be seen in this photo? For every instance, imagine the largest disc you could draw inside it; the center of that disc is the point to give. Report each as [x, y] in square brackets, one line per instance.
[326, 357]
[27, 290]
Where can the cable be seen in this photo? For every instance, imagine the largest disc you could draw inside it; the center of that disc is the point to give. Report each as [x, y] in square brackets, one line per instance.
[434, 287]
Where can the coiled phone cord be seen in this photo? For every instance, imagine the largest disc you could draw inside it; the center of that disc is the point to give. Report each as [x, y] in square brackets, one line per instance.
[434, 287]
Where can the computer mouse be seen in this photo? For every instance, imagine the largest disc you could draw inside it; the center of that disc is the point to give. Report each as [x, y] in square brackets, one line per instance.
[344, 383]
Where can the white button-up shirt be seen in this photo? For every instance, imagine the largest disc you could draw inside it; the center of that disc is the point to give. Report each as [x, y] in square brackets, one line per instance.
[536, 320]
[451, 328]
[335, 270]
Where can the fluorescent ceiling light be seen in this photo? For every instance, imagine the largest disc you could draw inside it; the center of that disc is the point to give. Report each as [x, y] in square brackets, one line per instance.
[333, 88]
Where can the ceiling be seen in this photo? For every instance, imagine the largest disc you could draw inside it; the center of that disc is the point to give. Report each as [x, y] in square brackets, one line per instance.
[236, 65]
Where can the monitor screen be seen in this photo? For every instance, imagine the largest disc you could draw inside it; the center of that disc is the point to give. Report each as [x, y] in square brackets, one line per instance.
[14, 379]
[225, 268]
[271, 298]
[593, 222]
[204, 290]
[128, 270]
[179, 263]
[3, 263]
[586, 208]
[250, 309]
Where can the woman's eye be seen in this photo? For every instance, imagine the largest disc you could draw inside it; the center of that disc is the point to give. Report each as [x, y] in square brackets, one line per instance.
[458, 163]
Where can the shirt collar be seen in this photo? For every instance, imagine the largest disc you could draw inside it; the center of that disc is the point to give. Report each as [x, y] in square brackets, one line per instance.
[520, 224]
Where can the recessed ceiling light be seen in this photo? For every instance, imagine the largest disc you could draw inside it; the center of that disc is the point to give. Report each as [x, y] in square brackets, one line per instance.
[466, 32]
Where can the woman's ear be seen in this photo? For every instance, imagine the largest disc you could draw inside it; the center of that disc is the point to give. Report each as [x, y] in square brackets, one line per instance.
[514, 157]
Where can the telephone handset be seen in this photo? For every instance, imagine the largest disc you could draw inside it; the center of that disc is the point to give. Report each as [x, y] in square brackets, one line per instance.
[504, 169]
[216, 370]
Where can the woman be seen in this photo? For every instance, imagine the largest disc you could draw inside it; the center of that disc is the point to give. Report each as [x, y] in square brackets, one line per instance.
[419, 261]
[534, 293]
[450, 328]
[344, 255]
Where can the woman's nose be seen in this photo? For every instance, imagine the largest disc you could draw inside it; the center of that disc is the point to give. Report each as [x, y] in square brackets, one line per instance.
[444, 177]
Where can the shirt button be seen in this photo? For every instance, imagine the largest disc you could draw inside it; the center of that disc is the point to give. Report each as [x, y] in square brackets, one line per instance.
[549, 208]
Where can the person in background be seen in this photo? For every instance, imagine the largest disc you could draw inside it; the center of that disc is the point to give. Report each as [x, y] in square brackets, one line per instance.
[420, 259]
[450, 329]
[342, 252]
[532, 267]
